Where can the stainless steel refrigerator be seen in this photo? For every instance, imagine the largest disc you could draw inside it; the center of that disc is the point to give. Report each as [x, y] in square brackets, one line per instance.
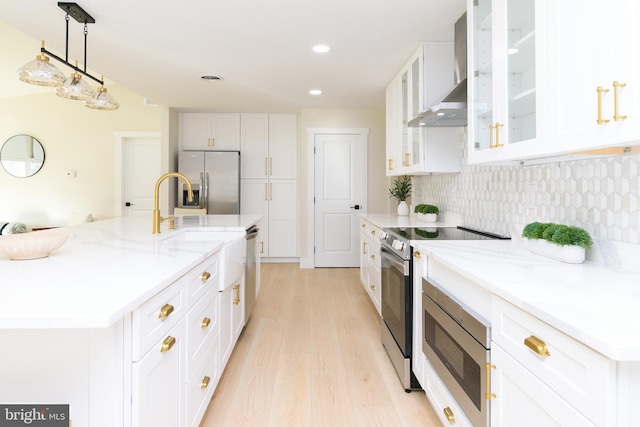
[215, 179]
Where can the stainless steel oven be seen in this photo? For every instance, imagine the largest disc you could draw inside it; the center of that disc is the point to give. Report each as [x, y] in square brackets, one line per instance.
[397, 311]
[456, 342]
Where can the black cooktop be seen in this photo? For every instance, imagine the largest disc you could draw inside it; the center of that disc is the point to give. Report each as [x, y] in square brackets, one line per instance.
[444, 233]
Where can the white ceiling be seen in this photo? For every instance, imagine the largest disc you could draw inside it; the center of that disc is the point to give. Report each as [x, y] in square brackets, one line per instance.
[260, 48]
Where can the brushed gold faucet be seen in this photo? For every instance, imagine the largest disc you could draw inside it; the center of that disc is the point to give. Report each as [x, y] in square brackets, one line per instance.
[157, 219]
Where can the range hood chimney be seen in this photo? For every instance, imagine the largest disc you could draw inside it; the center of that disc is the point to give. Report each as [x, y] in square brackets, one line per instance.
[451, 109]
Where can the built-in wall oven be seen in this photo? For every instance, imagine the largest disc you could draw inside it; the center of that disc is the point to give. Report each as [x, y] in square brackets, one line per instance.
[456, 342]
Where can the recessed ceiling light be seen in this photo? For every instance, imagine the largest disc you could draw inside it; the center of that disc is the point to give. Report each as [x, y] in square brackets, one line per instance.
[208, 77]
[315, 92]
[321, 48]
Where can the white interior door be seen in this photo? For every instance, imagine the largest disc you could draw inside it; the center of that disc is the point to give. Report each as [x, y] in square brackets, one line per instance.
[340, 191]
[141, 169]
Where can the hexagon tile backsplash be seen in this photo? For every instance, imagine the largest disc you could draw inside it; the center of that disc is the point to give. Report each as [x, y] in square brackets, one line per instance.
[600, 195]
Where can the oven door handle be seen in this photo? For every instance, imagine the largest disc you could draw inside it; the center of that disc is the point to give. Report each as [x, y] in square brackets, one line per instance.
[402, 266]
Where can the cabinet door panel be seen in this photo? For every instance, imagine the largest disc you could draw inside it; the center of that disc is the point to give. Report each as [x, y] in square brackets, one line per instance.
[283, 211]
[283, 144]
[195, 131]
[255, 201]
[225, 132]
[254, 148]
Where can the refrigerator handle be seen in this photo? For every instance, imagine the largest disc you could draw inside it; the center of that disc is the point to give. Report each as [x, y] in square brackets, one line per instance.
[201, 190]
[206, 191]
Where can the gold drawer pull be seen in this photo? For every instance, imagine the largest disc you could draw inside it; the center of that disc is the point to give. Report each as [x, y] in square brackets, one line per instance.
[448, 413]
[167, 344]
[600, 91]
[417, 254]
[363, 226]
[236, 289]
[537, 345]
[373, 232]
[390, 164]
[205, 276]
[616, 86]
[205, 323]
[165, 311]
[205, 382]
[373, 288]
[373, 257]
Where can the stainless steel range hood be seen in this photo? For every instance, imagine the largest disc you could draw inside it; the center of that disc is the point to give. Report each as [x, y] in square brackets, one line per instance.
[450, 109]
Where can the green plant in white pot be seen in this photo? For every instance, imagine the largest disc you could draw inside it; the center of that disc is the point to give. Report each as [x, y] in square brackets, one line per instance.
[401, 190]
[561, 242]
[426, 212]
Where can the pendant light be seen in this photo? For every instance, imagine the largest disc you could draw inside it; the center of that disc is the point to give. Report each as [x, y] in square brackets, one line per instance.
[41, 72]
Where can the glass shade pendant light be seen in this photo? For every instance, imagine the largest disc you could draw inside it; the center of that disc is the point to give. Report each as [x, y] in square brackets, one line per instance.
[75, 88]
[102, 101]
[41, 72]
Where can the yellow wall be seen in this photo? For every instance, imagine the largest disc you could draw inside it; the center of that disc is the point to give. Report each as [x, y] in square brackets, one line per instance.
[74, 138]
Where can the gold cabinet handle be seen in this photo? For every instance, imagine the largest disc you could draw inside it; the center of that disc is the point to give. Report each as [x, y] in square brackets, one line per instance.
[266, 167]
[537, 345]
[373, 256]
[491, 128]
[600, 91]
[488, 395]
[205, 276]
[373, 288]
[364, 247]
[261, 247]
[167, 344]
[213, 142]
[448, 413]
[165, 311]
[236, 290]
[497, 127]
[373, 233]
[266, 191]
[616, 87]
[417, 254]
[205, 382]
[270, 166]
[390, 164]
[407, 159]
[205, 323]
[364, 226]
[270, 191]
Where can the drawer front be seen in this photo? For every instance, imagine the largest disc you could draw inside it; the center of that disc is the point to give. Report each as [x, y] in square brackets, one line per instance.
[201, 385]
[202, 326]
[579, 375]
[153, 319]
[443, 404]
[203, 278]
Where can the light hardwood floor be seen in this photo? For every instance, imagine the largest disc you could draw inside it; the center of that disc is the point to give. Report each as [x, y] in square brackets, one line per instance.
[311, 356]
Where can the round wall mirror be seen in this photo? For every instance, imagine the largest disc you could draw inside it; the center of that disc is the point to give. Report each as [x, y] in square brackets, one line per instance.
[22, 156]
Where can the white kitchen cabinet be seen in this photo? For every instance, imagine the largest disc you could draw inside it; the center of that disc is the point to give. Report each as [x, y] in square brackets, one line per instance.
[507, 85]
[370, 274]
[159, 381]
[269, 185]
[523, 400]
[209, 131]
[599, 50]
[276, 201]
[231, 318]
[418, 150]
[560, 380]
[444, 405]
[269, 146]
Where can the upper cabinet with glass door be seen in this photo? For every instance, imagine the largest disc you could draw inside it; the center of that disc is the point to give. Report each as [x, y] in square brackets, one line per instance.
[506, 87]
[419, 150]
[594, 74]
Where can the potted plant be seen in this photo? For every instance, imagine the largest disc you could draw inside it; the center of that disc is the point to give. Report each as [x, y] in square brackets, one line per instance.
[426, 212]
[401, 190]
[560, 242]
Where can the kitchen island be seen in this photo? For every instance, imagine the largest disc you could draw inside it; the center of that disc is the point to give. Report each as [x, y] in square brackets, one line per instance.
[84, 324]
[585, 369]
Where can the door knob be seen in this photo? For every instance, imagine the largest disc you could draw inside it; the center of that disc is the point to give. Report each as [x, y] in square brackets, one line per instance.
[356, 207]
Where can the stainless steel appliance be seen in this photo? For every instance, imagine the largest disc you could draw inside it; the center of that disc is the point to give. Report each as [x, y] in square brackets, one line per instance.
[456, 342]
[397, 284]
[215, 178]
[252, 273]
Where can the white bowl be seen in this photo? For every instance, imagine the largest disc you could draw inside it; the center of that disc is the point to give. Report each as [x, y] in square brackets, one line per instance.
[31, 245]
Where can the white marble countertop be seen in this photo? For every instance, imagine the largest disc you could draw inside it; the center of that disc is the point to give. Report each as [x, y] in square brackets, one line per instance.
[104, 271]
[389, 220]
[594, 303]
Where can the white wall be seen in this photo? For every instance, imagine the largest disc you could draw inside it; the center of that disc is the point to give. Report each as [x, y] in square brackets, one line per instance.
[74, 138]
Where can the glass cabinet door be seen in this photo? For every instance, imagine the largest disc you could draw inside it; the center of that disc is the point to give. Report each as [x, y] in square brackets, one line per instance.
[482, 75]
[406, 153]
[415, 109]
[521, 71]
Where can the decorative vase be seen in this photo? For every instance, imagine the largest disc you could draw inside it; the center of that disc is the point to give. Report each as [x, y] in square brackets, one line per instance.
[403, 208]
[568, 254]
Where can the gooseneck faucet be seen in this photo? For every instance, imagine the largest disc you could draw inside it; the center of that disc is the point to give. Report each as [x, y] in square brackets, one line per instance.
[157, 219]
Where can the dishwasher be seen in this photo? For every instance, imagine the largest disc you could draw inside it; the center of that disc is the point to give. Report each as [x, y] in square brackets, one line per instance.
[252, 272]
